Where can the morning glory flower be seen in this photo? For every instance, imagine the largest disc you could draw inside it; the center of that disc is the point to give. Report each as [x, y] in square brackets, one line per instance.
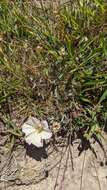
[36, 131]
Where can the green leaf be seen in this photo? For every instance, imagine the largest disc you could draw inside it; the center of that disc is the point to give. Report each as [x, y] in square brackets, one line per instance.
[85, 100]
[103, 97]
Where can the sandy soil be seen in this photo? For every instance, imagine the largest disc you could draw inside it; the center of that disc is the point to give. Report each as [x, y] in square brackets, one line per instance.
[64, 169]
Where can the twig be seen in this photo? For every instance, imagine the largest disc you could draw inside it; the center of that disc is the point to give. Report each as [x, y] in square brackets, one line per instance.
[97, 175]
[65, 168]
[59, 167]
[82, 172]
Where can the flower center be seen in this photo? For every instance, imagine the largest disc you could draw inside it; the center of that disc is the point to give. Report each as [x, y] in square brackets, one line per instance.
[39, 129]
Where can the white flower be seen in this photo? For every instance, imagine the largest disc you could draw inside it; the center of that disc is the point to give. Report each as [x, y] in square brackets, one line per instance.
[36, 131]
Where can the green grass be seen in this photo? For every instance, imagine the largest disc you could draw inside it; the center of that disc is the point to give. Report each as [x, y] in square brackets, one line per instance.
[54, 64]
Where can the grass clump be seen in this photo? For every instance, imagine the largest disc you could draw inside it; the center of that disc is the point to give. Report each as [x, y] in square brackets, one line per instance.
[54, 63]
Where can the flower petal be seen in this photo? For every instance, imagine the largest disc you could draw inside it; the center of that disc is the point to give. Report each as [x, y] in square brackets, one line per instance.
[27, 129]
[30, 125]
[45, 124]
[33, 121]
[46, 134]
[34, 139]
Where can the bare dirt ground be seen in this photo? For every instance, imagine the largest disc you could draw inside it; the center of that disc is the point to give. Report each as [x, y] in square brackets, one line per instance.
[68, 168]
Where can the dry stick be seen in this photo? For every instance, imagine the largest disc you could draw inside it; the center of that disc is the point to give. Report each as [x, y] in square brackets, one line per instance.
[97, 175]
[58, 161]
[70, 150]
[82, 172]
[60, 166]
[65, 168]
[66, 163]
[67, 146]
[71, 157]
